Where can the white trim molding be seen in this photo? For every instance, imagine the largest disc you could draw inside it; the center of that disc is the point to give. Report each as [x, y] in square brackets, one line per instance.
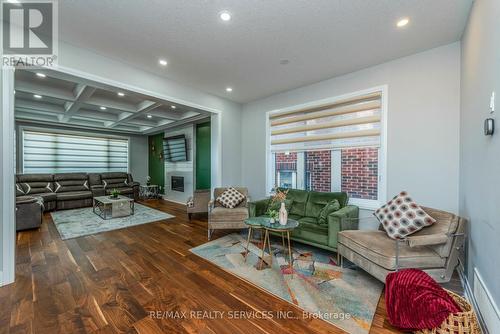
[382, 159]
[7, 196]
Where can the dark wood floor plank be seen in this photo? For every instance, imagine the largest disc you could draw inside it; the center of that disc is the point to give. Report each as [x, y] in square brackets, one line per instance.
[115, 282]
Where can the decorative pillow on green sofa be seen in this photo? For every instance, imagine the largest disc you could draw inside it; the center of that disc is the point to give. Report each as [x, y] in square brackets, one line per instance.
[277, 205]
[330, 207]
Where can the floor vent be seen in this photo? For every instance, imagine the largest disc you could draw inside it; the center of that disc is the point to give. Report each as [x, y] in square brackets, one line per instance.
[486, 304]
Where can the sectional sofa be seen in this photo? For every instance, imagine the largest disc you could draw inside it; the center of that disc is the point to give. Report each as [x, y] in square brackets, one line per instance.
[74, 190]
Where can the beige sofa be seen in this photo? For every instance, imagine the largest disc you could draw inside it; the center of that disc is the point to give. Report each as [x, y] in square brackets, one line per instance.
[433, 249]
[220, 217]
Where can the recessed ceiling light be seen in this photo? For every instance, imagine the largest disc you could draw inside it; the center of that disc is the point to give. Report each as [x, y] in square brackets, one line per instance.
[36, 96]
[162, 62]
[13, 1]
[103, 108]
[173, 107]
[229, 89]
[121, 94]
[225, 16]
[149, 116]
[41, 75]
[403, 22]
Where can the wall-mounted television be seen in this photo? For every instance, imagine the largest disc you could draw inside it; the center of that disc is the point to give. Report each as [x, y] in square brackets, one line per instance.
[175, 148]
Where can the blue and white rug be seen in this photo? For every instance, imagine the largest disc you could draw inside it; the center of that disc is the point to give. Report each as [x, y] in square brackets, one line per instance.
[80, 222]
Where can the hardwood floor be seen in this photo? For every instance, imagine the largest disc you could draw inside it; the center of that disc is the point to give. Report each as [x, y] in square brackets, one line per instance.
[110, 282]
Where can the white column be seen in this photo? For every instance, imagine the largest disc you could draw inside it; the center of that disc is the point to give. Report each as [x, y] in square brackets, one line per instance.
[301, 170]
[336, 170]
[7, 194]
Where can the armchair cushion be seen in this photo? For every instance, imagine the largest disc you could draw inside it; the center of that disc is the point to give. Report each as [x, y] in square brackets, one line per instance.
[377, 247]
[221, 214]
[230, 198]
[401, 216]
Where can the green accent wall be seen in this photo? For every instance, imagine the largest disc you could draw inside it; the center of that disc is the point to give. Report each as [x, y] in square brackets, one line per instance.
[156, 165]
[203, 156]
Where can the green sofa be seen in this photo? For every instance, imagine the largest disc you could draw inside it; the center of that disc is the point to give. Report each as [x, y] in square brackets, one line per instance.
[305, 207]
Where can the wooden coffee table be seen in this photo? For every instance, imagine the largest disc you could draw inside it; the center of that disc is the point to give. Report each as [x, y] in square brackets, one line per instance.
[107, 207]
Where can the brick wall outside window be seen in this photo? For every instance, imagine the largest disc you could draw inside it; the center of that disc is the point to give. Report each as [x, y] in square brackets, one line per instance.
[319, 169]
[360, 172]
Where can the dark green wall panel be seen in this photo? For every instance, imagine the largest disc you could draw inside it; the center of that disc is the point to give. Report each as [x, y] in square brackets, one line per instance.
[156, 165]
[203, 156]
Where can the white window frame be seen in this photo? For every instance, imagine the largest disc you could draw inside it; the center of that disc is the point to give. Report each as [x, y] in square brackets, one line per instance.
[382, 158]
[24, 128]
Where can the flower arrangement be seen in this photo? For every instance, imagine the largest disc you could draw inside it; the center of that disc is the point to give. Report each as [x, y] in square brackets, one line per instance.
[279, 195]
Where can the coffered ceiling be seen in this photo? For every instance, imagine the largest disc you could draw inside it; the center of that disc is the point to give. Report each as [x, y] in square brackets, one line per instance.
[45, 96]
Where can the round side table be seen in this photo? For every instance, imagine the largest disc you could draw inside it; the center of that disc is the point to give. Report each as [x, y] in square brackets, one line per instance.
[265, 223]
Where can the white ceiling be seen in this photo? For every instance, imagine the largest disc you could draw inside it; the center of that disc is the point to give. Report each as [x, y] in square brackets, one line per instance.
[75, 102]
[320, 38]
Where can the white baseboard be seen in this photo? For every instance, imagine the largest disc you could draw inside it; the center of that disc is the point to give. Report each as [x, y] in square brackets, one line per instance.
[482, 302]
[486, 304]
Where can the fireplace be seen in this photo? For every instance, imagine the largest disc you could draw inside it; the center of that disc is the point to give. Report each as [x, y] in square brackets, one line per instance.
[177, 183]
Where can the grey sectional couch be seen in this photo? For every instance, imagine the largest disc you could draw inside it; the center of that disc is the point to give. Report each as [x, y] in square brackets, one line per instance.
[74, 190]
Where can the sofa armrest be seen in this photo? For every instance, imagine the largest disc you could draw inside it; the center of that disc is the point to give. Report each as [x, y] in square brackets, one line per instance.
[133, 184]
[211, 204]
[340, 220]
[258, 208]
[347, 218]
[427, 240]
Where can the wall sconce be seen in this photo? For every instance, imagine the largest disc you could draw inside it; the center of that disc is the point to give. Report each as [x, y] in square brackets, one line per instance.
[161, 155]
[489, 126]
[152, 147]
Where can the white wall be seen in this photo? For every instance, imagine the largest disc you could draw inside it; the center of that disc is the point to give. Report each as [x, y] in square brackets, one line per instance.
[480, 155]
[78, 61]
[423, 124]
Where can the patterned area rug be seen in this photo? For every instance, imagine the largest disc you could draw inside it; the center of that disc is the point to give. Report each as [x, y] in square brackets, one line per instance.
[80, 222]
[347, 298]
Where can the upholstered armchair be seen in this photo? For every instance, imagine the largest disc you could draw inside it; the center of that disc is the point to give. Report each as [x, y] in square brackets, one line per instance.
[220, 217]
[434, 249]
[198, 203]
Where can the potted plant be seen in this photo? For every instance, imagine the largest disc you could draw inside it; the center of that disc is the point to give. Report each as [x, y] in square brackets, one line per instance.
[273, 214]
[114, 193]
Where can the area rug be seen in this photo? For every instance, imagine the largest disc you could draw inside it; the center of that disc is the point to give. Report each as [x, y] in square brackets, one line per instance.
[345, 297]
[80, 222]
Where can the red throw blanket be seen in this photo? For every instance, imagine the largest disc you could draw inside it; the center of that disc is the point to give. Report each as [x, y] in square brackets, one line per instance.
[415, 301]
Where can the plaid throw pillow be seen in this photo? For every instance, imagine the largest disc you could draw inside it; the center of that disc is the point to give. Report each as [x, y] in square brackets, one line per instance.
[230, 198]
[401, 216]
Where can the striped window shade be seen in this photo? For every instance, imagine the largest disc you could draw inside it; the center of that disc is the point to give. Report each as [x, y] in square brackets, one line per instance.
[45, 152]
[349, 122]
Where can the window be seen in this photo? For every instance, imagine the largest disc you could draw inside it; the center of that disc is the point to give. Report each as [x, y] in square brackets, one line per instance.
[330, 146]
[45, 152]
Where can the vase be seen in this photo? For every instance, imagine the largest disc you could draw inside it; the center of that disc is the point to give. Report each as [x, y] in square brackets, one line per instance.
[283, 214]
[271, 221]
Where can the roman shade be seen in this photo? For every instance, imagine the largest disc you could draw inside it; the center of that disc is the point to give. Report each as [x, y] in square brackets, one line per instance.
[348, 122]
[45, 152]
